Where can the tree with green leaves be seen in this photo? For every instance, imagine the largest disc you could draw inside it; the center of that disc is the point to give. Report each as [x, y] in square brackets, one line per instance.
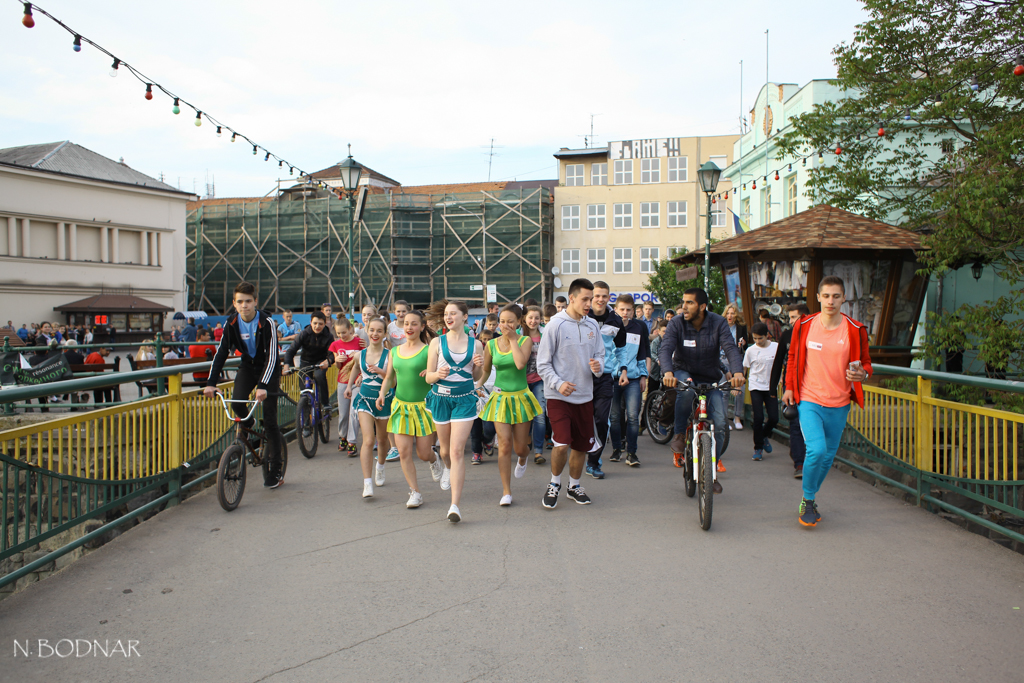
[662, 283]
[930, 136]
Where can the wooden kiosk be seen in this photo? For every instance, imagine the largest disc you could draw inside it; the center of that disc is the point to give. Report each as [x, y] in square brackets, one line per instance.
[783, 262]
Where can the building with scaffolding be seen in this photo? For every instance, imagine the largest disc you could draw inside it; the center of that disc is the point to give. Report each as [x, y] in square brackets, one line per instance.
[419, 244]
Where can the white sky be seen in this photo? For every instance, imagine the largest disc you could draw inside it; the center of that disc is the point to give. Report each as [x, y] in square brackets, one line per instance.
[418, 88]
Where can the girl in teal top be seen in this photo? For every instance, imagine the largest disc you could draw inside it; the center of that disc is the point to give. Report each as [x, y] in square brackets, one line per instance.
[453, 367]
[365, 382]
[511, 406]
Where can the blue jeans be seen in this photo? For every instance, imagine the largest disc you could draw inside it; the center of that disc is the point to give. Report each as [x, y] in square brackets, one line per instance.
[630, 397]
[540, 422]
[822, 429]
[481, 433]
[684, 406]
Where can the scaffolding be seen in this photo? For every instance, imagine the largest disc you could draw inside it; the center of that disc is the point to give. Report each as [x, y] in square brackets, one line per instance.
[416, 247]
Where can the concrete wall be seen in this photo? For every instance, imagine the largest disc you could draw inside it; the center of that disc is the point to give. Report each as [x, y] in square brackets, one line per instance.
[63, 238]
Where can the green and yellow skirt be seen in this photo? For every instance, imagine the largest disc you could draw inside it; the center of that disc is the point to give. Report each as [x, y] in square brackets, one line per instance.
[410, 418]
[511, 407]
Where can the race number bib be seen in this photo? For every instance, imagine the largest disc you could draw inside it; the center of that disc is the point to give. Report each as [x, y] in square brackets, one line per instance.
[814, 346]
[443, 391]
[692, 343]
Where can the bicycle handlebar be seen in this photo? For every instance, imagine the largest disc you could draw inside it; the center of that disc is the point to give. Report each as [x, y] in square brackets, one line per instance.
[234, 418]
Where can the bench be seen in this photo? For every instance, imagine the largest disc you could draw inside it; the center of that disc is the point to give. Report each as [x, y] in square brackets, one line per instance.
[80, 369]
[150, 384]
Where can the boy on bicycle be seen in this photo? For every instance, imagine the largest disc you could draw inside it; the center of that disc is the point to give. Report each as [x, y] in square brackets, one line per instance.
[314, 345]
[253, 333]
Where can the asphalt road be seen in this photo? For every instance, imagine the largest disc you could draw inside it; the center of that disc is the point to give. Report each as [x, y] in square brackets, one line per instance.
[313, 583]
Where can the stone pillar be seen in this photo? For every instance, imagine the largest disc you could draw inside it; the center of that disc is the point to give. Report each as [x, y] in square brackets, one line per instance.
[12, 236]
[105, 244]
[156, 248]
[26, 237]
[60, 242]
[73, 241]
[144, 239]
[115, 247]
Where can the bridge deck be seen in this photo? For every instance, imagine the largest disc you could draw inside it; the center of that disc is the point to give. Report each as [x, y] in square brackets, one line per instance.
[313, 583]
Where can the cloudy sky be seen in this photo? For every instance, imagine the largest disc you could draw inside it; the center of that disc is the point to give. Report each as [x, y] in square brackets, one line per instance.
[418, 88]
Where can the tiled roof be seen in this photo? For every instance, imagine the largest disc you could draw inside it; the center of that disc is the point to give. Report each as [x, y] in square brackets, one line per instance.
[228, 200]
[820, 227]
[335, 172]
[113, 303]
[70, 159]
[452, 188]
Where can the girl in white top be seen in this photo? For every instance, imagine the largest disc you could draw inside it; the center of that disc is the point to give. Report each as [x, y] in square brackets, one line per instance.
[396, 330]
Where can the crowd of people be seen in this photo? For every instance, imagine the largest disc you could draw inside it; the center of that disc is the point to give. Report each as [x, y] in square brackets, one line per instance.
[422, 385]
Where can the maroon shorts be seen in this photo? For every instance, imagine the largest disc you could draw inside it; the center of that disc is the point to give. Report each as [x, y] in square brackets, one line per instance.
[572, 424]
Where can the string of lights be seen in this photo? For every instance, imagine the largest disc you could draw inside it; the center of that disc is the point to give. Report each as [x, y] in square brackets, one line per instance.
[178, 102]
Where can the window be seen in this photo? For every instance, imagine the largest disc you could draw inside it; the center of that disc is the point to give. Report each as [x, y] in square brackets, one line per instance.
[574, 175]
[650, 214]
[677, 169]
[677, 214]
[571, 217]
[745, 210]
[623, 260]
[676, 251]
[947, 146]
[595, 261]
[721, 161]
[718, 219]
[596, 216]
[599, 174]
[791, 200]
[623, 216]
[650, 170]
[570, 261]
[624, 172]
[767, 204]
[649, 259]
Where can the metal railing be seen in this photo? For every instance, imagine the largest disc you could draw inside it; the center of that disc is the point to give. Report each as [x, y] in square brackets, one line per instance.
[59, 473]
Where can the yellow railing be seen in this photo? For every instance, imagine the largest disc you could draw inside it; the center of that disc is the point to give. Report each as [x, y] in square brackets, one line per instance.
[939, 436]
[133, 440]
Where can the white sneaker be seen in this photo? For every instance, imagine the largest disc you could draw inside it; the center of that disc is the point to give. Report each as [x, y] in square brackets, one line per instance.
[415, 499]
[737, 424]
[368, 489]
[378, 477]
[446, 479]
[436, 467]
[520, 469]
[453, 514]
[505, 501]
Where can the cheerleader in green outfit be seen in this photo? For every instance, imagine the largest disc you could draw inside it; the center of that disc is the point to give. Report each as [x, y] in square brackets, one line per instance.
[410, 421]
[511, 406]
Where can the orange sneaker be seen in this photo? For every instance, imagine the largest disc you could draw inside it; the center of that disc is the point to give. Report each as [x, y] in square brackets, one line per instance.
[677, 459]
[721, 467]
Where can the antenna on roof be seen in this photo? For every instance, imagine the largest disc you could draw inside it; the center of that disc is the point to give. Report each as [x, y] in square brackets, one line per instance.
[490, 156]
[588, 140]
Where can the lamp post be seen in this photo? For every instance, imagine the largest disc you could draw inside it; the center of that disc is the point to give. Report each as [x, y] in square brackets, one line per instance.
[708, 175]
[350, 171]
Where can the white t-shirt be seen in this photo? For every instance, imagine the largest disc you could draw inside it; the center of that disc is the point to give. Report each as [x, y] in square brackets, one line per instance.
[760, 362]
[396, 334]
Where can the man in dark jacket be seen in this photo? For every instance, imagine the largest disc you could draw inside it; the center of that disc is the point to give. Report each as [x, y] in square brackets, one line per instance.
[691, 349]
[314, 342]
[254, 334]
[614, 337]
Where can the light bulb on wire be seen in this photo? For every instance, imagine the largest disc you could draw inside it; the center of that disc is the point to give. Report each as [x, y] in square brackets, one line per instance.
[776, 175]
[175, 109]
[974, 83]
[233, 136]
[77, 45]
[267, 158]
[149, 91]
[1018, 70]
[113, 67]
[254, 150]
[27, 21]
[218, 131]
[199, 118]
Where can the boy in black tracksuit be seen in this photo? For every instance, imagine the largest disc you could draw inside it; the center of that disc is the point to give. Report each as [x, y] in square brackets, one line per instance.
[254, 334]
[614, 337]
[315, 342]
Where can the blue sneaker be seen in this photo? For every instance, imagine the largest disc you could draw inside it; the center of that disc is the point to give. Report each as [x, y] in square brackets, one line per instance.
[392, 455]
[595, 472]
[757, 454]
[767, 445]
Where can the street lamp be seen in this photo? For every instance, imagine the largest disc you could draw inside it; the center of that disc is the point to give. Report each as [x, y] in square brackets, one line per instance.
[708, 175]
[350, 172]
[977, 269]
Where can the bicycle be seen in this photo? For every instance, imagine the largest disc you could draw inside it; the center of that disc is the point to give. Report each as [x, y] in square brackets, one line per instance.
[700, 457]
[310, 416]
[231, 469]
[659, 414]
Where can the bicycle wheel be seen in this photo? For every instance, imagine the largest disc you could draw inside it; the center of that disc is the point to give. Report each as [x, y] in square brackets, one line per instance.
[231, 477]
[705, 485]
[691, 485]
[304, 429]
[659, 432]
[324, 425]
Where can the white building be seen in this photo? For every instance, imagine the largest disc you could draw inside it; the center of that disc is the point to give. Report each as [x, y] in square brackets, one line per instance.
[73, 222]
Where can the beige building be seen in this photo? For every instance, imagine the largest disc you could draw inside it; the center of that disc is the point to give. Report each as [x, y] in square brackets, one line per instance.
[73, 223]
[619, 209]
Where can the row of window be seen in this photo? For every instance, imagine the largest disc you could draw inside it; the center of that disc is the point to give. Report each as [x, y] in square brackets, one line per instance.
[622, 218]
[676, 171]
[622, 260]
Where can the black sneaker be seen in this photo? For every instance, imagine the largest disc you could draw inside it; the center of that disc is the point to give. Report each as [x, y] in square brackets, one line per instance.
[632, 460]
[273, 479]
[579, 495]
[616, 456]
[551, 495]
[808, 512]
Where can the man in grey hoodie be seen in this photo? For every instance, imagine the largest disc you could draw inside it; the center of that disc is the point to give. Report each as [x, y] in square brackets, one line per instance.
[571, 355]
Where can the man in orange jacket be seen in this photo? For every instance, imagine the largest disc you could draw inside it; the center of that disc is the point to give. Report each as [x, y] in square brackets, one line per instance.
[828, 360]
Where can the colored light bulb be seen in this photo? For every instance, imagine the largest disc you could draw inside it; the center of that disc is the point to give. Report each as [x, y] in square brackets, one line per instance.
[233, 136]
[753, 185]
[113, 68]
[254, 150]
[1017, 70]
[199, 118]
[218, 131]
[77, 45]
[839, 149]
[175, 109]
[776, 175]
[27, 21]
[149, 91]
[267, 158]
